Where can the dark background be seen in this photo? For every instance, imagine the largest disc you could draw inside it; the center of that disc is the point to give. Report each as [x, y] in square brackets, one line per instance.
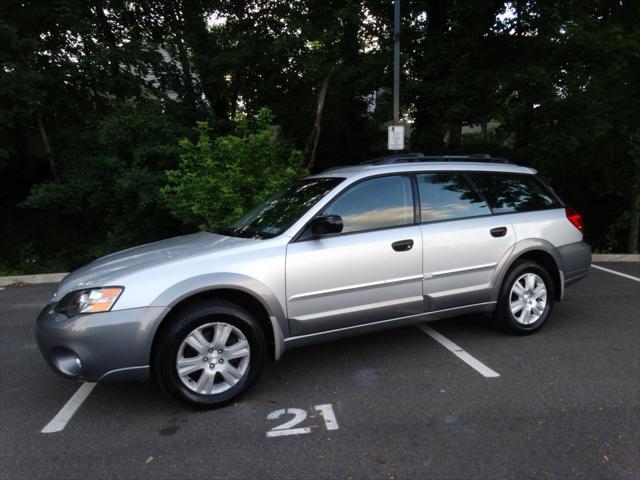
[95, 97]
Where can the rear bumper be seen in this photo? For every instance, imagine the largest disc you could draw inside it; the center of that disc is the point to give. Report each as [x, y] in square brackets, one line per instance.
[98, 347]
[576, 262]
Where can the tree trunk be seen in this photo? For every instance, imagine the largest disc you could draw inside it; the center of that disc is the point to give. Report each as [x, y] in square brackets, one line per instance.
[177, 23]
[314, 136]
[483, 129]
[47, 145]
[634, 221]
[455, 136]
[207, 58]
[523, 128]
[110, 39]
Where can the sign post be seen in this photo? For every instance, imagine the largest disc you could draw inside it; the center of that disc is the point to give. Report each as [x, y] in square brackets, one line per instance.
[395, 134]
[396, 63]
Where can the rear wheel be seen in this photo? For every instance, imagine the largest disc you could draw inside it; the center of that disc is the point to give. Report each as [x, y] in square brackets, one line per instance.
[526, 298]
[211, 353]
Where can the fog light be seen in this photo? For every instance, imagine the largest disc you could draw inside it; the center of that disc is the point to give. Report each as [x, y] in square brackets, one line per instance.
[67, 362]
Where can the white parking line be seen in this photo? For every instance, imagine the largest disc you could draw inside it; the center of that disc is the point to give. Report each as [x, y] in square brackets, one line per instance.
[473, 362]
[620, 274]
[64, 415]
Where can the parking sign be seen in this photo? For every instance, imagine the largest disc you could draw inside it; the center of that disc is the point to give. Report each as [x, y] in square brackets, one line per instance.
[395, 137]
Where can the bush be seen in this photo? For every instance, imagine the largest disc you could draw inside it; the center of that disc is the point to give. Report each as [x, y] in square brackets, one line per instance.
[107, 194]
[220, 179]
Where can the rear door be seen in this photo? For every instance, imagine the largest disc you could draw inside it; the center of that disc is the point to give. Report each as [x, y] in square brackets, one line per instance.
[370, 272]
[463, 242]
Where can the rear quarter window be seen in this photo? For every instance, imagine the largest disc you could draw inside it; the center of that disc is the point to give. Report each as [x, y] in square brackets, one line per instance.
[508, 193]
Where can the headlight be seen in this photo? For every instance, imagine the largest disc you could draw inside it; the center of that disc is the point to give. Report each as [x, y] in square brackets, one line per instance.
[94, 300]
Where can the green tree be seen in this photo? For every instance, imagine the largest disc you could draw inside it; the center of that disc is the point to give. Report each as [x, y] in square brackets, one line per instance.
[95, 95]
[107, 193]
[219, 179]
[573, 109]
[453, 59]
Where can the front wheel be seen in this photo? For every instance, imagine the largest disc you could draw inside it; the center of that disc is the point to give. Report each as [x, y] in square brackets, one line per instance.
[210, 354]
[526, 299]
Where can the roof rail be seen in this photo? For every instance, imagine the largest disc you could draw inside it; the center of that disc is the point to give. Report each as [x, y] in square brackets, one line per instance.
[420, 157]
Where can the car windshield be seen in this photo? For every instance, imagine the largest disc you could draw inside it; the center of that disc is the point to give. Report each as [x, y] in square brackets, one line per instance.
[280, 212]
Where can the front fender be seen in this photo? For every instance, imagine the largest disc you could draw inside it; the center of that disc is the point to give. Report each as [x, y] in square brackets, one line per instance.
[229, 281]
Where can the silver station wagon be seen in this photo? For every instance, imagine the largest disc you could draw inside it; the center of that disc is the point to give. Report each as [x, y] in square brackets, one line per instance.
[397, 241]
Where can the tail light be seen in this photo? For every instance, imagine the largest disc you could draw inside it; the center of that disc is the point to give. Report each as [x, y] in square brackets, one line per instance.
[575, 218]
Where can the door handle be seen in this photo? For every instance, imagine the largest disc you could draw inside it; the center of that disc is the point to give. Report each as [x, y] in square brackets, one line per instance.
[402, 245]
[498, 231]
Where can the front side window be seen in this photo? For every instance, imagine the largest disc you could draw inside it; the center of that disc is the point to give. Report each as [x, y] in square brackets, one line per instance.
[280, 212]
[446, 196]
[377, 203]
[508, 193]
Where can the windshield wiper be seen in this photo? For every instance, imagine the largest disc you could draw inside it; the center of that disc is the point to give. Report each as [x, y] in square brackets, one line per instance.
[227, 232]
[235, 232]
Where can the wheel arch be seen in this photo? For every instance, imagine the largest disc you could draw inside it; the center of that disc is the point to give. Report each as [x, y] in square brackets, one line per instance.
[539, 251]
[244, 291]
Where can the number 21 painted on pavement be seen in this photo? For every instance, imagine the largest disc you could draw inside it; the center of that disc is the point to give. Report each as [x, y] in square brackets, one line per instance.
[299, 416]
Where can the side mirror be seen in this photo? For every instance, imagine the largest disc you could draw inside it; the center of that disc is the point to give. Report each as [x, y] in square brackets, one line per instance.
[326, 225]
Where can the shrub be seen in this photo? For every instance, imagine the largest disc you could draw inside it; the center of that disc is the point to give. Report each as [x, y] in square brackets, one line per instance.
[220, 179]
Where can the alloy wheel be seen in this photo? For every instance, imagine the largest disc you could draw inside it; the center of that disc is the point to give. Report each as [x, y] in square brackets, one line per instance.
[213, 358]
[528, 298]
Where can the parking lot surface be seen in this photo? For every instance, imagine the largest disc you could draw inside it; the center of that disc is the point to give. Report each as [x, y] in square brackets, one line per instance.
[565, 404]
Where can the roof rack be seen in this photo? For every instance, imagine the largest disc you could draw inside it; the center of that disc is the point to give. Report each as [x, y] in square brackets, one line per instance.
[420, 157]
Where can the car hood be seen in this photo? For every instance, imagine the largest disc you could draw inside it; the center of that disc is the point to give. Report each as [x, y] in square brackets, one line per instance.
[105, 270]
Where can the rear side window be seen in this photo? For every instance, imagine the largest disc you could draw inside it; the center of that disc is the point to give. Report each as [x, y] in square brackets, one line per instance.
[376, 203]
[514, 193]
[445, 196]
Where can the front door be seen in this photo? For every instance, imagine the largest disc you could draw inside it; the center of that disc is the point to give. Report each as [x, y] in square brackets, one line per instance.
[370, 272]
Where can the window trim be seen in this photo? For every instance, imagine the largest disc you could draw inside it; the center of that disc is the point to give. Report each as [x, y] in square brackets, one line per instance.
[416, 208]
[474, 185]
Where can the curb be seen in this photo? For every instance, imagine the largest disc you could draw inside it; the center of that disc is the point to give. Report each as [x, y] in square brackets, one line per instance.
[17, 280]
[615, 257]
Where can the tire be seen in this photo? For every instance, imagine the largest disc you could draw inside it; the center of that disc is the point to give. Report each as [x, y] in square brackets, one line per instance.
[517, 322]
[194, 337]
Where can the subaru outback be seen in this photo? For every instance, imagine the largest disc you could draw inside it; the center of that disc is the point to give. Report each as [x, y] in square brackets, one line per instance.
[398, 241]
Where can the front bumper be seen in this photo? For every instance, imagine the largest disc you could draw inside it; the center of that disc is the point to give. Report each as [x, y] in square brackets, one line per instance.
[106, 346]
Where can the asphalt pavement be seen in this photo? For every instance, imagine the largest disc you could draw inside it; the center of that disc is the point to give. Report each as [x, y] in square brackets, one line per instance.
[393, 405]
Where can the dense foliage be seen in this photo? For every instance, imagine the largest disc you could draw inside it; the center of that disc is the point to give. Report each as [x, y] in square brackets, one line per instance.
[124, 122]
[220, 179]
